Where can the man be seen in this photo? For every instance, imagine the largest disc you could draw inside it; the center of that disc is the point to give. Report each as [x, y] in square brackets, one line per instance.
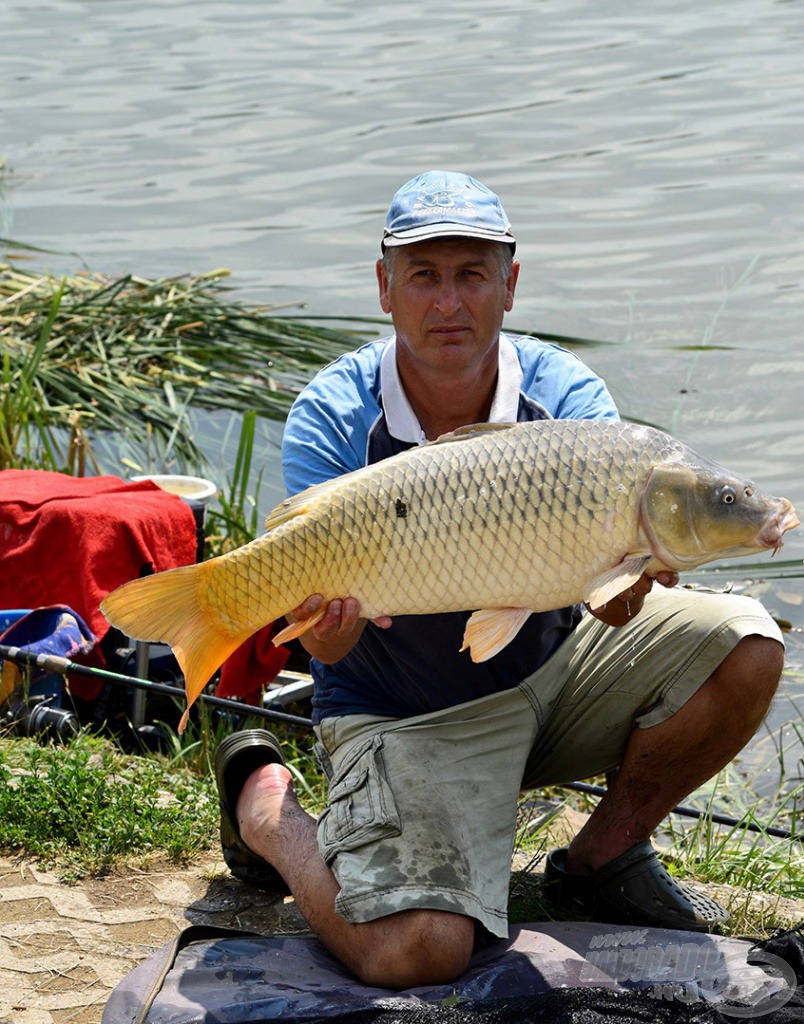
[426, 751]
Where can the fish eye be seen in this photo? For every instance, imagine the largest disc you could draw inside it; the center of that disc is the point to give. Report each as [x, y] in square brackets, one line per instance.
[728, 495]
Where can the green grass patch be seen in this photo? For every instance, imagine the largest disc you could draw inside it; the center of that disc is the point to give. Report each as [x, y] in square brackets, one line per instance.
[750, 859]
[195, 749]
[758, 877]
[85, 807]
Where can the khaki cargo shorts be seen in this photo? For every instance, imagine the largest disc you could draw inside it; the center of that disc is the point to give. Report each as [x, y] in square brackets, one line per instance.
[422, 810]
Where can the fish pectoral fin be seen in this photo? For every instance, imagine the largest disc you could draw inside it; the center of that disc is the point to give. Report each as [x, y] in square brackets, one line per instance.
[489, 630]
[471, 430]
[614, 581]
[301, 626]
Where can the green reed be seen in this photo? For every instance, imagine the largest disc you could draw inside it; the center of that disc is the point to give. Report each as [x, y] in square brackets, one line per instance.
[88, 354]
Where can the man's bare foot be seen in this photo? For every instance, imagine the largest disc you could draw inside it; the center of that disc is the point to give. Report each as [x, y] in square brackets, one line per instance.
[266, 796]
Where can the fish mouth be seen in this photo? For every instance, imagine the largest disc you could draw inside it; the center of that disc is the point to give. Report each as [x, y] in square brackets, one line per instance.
[784, 520]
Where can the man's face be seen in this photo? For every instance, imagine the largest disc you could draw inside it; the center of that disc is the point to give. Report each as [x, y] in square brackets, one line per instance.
[447, 298]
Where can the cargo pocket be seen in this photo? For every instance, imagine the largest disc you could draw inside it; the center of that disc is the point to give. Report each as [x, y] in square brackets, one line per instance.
[361, 807]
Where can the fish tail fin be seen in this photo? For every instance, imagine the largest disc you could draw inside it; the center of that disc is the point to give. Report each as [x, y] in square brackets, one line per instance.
[169, 607]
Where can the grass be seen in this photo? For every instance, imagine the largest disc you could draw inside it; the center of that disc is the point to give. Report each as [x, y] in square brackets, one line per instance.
[753, 874]
[84, 807]
[194, 751]
[235, 521]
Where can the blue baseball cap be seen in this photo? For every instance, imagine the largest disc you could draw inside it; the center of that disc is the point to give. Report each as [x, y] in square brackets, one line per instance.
[439, 204]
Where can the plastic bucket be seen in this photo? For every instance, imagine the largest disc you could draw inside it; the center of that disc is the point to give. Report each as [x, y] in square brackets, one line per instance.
[194, 491]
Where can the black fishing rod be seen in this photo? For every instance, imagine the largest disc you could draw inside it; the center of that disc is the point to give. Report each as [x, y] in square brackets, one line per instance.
[62, 666]
[693, 812]
[54, 663]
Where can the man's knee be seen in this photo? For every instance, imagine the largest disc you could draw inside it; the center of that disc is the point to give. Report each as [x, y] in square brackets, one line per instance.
[735, 698]
[751, 673]
[416, 947]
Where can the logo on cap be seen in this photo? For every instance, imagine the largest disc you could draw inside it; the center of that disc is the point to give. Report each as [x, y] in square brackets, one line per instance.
[444, 197]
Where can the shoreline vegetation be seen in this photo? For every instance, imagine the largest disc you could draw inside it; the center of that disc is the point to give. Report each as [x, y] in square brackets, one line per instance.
[101, 375]
[88, 354]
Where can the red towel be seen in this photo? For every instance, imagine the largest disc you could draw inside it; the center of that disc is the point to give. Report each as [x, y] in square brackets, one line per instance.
[70, 540]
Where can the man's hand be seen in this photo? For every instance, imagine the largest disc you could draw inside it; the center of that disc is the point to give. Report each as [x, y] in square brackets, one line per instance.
[337, 632]
[624, 606]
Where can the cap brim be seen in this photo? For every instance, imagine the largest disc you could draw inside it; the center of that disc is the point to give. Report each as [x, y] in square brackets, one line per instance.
[423, 234]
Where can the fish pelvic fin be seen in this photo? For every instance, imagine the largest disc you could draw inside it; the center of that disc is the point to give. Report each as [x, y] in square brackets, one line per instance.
[169, 607]
[489, 630]
[301, 626]
[614, 581]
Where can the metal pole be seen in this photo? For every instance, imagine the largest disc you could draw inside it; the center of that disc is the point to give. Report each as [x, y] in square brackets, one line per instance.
[693, 812]
[141, 662]
[53, 663]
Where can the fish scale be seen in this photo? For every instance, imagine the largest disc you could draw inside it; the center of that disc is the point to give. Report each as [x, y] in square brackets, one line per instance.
[453, 534]
[425, 535]
[499, 519]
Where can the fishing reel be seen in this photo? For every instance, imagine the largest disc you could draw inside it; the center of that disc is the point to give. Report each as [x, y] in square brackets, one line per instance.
[38, 717]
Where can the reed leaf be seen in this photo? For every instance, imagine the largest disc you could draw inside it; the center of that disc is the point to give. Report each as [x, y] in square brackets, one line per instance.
[129, 355]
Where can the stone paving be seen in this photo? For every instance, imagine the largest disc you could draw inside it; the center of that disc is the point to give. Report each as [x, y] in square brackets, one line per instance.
[63, 948]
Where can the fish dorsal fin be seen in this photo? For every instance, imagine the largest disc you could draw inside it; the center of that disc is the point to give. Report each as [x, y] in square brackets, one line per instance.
[614, 581]
[472, 430]
[301, 502]
[491, 629]
[288, 509]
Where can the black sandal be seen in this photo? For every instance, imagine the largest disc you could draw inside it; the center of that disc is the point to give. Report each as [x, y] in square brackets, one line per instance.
[634, 888]
[236, 758]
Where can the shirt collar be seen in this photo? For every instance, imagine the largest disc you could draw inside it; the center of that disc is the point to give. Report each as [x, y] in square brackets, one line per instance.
[402, 421]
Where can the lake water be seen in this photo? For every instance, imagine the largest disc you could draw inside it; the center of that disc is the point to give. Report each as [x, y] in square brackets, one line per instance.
[649, 156]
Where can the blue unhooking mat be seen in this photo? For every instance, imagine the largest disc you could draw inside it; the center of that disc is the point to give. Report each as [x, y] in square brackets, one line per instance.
[553, 973]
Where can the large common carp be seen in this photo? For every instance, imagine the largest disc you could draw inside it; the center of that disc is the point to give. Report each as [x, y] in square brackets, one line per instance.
[504, 518]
